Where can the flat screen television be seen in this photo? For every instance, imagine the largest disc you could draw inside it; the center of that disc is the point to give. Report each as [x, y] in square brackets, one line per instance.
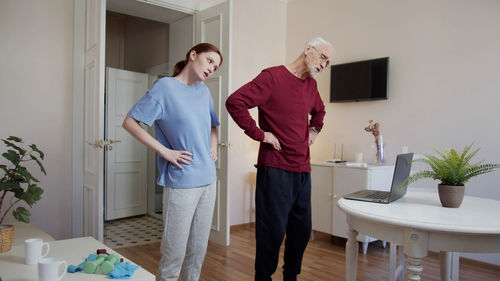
[360, 80]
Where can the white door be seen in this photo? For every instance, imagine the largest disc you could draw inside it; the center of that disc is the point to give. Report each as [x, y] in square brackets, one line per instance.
[94, 119]
[212, 26]
[126, 158]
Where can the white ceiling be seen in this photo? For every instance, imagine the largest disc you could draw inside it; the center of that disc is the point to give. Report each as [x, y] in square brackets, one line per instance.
[144, 10]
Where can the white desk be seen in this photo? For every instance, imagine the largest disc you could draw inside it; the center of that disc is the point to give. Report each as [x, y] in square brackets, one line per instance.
[73, 251]
[419, 223]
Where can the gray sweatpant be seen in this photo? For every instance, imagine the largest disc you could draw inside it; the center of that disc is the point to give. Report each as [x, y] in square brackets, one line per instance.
[187, 217]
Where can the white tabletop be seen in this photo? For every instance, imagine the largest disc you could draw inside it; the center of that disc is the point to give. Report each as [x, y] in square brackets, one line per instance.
[73, 251]
[23, 231]
[423, 210]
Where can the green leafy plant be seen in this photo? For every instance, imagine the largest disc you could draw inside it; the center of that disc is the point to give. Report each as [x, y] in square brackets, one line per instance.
[18, 180]
[451, 167]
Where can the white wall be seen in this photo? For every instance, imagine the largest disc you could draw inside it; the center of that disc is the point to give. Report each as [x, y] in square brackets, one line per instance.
[258, 42]
[444, 76]
[36, 56]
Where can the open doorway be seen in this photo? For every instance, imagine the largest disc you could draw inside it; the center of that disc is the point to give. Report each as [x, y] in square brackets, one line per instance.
[210, 24]
[137, 53]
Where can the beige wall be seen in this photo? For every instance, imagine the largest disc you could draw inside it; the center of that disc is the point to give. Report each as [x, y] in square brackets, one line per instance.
[258, 42]
[36, 60]
[444, 76]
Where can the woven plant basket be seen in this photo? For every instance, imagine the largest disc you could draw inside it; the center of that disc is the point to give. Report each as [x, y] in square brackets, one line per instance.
[6, 236]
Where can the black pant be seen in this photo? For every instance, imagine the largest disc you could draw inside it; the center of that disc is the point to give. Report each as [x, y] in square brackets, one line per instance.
[283, 205]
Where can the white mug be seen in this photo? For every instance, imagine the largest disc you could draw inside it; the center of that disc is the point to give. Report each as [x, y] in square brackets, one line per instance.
[35, 249]
[51, 269]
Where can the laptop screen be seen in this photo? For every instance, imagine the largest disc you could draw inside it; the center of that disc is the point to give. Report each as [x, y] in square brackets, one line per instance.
[401, 173]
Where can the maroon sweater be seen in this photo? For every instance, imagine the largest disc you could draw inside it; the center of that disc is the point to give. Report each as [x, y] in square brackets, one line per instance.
[284, 103]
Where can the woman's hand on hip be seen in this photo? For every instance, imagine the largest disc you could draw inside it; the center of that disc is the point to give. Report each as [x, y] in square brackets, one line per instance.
[213, 152]
[177, 156]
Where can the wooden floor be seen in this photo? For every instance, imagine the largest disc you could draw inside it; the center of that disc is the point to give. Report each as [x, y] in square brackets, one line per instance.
[324, 259]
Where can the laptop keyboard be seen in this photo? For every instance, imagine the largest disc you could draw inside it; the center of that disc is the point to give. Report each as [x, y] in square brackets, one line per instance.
[378, 195]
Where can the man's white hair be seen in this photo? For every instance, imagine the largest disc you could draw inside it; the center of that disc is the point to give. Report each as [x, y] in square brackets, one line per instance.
[318, 41]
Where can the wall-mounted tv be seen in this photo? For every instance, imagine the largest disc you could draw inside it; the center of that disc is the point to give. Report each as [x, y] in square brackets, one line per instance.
[360, 80]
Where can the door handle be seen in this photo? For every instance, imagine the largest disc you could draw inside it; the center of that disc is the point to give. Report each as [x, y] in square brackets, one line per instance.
[107, 143]
[224, 144]
[103, 143]
[110, 141]
[97, 143]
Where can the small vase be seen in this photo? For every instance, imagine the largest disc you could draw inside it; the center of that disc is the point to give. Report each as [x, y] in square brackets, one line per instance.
[380, 149]
[451, 196]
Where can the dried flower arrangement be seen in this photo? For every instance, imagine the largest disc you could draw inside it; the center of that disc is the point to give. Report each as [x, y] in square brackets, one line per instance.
[374, 129]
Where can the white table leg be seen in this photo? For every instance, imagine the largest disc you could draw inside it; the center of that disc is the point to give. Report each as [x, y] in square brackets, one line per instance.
[351, 255]
[415, 246]
[393, 248]
[455, 265]
[365, 247]
[414, 268]
[445, 261]
[450, 263]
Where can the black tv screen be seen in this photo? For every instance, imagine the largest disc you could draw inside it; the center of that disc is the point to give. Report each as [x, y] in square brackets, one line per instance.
[360, 80]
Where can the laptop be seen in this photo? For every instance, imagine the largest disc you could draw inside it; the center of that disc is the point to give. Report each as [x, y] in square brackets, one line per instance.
[401, 173]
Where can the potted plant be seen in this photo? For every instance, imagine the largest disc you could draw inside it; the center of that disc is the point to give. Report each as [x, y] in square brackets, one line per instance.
[17, 184]
[453, 168]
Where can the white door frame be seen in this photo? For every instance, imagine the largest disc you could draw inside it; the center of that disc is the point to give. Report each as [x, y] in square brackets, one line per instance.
[78, 111]
[78, 116]
[78, 165]
[213, 25]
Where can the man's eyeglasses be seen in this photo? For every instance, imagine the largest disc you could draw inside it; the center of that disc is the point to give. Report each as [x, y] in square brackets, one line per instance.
[323, 57]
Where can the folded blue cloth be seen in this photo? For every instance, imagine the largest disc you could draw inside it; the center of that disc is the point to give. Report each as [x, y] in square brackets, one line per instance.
[123, 270]
[76, 268]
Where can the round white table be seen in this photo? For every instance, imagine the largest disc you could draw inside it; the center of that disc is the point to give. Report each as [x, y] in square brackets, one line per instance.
[418, 222]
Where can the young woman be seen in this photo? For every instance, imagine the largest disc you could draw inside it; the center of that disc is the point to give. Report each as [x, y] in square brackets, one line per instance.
[182, 110]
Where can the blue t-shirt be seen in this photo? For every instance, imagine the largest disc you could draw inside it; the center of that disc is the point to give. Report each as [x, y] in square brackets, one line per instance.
[183, 117]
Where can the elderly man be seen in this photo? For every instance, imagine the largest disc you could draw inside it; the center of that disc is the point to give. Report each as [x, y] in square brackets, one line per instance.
[285, 96]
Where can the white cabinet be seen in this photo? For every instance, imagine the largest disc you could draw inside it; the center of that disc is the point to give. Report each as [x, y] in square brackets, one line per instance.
[321, 198]
[331, 181]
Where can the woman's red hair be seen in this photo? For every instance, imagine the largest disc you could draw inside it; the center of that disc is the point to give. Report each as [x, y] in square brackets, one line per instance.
[200, 48]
